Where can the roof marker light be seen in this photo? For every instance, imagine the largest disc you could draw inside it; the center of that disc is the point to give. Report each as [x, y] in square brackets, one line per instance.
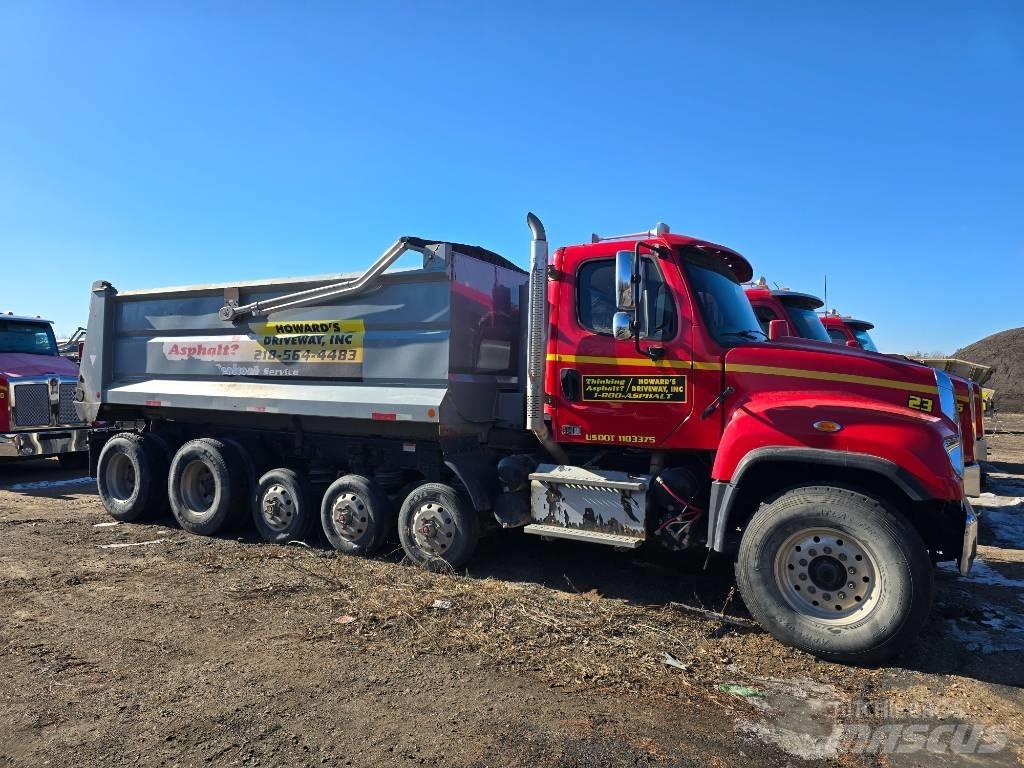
[827, 426]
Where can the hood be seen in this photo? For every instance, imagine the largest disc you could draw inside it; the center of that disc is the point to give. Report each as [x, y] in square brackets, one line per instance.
[801, 366]
[15, 364]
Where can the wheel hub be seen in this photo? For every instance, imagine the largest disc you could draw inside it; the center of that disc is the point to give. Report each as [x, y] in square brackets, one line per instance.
[198, 486]
[278, 507]
[433, 528]
[350, 516]
[827, 574]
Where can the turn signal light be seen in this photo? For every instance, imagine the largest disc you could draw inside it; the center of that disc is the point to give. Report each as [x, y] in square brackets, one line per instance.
[827, 426]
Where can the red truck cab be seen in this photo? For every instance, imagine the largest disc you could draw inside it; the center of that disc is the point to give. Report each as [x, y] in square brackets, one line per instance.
[37, 389]
[799, 310]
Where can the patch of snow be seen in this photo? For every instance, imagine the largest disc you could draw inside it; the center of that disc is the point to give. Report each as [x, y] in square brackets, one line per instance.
[982, 573]
[41, 484]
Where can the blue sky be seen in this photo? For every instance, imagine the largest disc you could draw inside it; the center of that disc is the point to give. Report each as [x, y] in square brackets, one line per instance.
[163, 143]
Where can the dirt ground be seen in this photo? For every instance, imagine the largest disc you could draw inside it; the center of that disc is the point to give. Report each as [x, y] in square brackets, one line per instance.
[181, 650]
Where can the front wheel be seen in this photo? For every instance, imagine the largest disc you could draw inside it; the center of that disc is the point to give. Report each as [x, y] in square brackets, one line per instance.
[835, 573]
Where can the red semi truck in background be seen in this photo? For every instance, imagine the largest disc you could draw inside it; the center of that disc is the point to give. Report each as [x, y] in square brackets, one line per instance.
[852, 332]
[644, 409]
[37, 388]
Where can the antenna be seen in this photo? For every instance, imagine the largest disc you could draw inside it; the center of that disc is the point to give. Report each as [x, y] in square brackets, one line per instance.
[825, 297]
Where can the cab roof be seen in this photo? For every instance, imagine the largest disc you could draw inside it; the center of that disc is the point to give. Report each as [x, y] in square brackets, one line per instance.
[736, 263]
[835, 317]
[11, 317]
[795, 298]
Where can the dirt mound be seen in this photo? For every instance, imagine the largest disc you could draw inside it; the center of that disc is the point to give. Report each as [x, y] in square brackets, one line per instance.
[1004, 352]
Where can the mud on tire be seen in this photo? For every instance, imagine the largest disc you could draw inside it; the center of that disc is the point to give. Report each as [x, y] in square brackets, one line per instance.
[835, 573]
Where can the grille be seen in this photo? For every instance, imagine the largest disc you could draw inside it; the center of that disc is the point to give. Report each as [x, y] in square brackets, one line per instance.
[31, 405]
[67, 413]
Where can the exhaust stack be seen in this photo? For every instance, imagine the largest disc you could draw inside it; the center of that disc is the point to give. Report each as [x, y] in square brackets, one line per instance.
[536, 340]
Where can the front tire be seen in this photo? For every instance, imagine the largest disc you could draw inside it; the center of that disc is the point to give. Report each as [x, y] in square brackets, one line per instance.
[835, 573]
[438, 526]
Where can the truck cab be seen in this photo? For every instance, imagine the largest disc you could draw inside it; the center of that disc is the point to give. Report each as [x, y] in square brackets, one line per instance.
[798, 310]
[849, 331]
[37, 390]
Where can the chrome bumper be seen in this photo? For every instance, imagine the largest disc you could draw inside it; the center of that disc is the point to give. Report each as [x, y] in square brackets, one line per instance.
[970, 545]
[972, 479]
[48, 442]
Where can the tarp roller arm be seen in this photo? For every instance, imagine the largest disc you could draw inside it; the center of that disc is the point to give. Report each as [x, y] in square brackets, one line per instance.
[233, 312]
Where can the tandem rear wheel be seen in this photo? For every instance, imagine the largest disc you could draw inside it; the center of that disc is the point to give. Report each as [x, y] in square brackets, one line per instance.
[131, 476]
[835, 573]
[202, 489]
[438, 527]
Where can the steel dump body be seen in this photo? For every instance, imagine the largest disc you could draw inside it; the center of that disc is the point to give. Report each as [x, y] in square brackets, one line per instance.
[420, 348]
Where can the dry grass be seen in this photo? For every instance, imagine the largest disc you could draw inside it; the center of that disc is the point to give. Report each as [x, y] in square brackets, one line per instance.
[571, 639]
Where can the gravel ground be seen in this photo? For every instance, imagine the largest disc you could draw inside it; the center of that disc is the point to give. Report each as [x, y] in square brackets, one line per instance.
[180, 650]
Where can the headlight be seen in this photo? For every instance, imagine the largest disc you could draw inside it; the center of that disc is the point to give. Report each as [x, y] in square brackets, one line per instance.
[947, 402]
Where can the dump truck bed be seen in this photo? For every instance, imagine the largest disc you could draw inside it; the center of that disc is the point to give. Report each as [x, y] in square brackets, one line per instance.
[434, 345]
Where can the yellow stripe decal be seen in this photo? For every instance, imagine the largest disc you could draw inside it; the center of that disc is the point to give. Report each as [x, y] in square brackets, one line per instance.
[766, 370]
[643, 362]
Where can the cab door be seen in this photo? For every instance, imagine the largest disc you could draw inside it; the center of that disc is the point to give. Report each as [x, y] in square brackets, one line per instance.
[605, 391]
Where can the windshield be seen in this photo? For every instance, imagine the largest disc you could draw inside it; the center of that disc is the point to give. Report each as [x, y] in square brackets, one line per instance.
[806, 323]
[723, 304]
[865, 340]
[29, 338]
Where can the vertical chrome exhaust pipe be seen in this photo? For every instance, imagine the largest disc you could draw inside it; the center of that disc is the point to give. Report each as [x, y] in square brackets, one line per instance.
[537, 339]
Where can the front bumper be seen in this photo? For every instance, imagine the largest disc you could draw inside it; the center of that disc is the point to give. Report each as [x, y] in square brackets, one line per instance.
[47, 442]
[970, 543]
[972, 479]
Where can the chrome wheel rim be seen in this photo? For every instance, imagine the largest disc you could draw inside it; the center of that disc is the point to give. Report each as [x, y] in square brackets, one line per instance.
[433, 528]
[828, 575]
[120, 477]
[278, 507]
[198, 487]
[350, 517]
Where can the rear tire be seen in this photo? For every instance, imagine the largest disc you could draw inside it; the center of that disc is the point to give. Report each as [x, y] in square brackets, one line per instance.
[201, 487]
[356, 515]
[835, 573]
[438, 527]
[279, 507]
[129, 474]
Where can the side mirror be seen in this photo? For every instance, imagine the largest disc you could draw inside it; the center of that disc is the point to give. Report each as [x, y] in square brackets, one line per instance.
[622, 326]
[778, 329]
[852, 343]
[624, 294]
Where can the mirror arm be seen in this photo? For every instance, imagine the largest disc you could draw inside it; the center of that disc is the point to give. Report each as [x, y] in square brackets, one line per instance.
[655, 353]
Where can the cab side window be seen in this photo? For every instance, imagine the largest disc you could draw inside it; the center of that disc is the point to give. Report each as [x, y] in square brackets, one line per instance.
[765, 315]
[595, 300]
[837, 336]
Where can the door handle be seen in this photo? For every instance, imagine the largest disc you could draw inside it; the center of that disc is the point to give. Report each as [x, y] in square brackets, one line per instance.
[570, 378]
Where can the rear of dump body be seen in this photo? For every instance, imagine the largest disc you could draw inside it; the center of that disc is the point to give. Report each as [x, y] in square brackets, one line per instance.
[427, 350]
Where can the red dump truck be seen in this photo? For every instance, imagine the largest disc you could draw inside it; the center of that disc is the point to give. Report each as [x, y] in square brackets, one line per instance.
[619, 393]
[847, 330]
[37, 390]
